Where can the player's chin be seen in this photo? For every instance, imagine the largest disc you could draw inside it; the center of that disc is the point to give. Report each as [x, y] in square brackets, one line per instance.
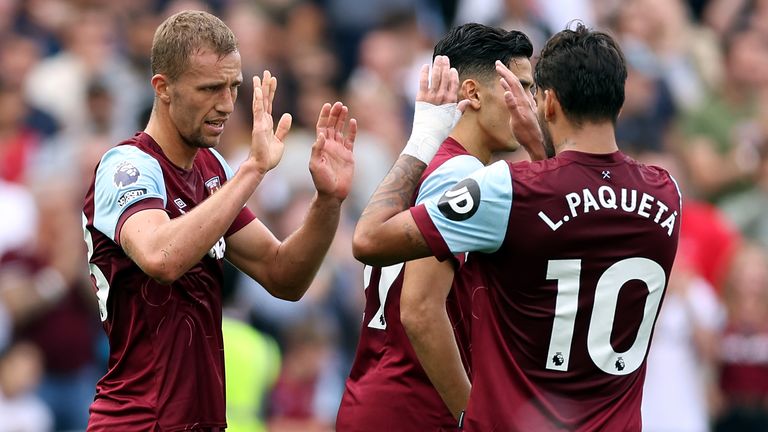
[207, 141]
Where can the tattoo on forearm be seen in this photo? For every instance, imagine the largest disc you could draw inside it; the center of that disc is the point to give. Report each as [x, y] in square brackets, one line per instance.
[415, 238]
[396, 190]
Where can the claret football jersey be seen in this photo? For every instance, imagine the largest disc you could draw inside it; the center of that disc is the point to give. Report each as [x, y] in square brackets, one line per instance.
[387, 389]
[166, 360]
[575, 253]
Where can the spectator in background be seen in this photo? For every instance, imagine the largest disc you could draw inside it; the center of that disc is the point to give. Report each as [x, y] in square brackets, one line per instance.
[710, 142]
[307, 393]
[707, 236]
[743, 366]
[18, 56]
[20, 371]
[748, 208]
[683, 357]
[252, 361]
[64, 327]
[648, 110]
[90, 55]
[19, 144]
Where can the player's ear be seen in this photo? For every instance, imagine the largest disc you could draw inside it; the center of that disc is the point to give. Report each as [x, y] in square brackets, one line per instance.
[469, 91]
[160, 84]
[551, 104]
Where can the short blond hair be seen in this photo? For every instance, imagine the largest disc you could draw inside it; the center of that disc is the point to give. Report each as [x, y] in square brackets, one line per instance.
[183, 34]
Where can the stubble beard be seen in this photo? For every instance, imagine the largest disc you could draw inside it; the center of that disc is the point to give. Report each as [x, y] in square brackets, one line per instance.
[198, 141]
[549, 145]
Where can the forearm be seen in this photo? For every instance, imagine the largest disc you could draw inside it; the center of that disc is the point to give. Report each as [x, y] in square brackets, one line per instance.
[426, 286]
[393, 195]
[299, 256]
[166, 250]
[436, 348]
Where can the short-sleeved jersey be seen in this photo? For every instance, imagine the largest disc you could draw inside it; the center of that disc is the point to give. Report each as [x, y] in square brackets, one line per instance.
[166, 363]
[387, 388]
[575, 254]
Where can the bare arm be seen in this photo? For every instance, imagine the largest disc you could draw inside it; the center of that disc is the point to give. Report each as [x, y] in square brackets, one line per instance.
[286, 269]
[167, 248]
[386, 233]
[426, 285]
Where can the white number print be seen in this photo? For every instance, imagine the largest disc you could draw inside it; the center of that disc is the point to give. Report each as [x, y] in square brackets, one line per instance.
[387, 278]
[102, 286]
[567, 273]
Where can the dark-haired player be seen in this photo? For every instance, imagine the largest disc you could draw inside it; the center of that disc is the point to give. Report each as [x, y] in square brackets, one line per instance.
[165, 209]
[575, 252]
[387, 388]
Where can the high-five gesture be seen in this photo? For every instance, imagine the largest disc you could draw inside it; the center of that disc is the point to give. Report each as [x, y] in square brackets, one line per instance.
[267, 144]
[522, 114]
[331, 163]
[436, 110]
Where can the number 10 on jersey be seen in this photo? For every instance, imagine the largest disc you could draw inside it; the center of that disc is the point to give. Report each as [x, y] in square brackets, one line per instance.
[567, 274]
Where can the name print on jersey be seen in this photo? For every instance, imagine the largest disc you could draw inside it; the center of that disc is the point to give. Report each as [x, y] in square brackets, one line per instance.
[606, 197]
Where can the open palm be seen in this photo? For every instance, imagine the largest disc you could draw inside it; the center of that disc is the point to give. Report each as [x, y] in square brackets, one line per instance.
[332, 164]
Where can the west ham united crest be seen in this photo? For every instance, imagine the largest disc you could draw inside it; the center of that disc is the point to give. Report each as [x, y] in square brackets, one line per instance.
[213, 184]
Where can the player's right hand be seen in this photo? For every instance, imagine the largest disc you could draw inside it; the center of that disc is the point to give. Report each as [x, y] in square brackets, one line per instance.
[267, 144]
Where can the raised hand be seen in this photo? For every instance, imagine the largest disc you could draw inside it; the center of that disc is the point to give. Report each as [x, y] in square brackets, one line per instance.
[522, 114]
[332, 164]
[436, 110]
[444, 85]
[267, 144]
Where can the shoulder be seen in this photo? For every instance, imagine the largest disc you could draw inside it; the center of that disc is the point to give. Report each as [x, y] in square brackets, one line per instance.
[530, 169]
[126, 163]
[657, 176]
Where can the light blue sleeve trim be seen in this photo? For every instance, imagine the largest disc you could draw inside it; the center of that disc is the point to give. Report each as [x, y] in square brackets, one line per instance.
[486, 195]
[227, 170]
[447, 175]
[679, 194]
[125, 176]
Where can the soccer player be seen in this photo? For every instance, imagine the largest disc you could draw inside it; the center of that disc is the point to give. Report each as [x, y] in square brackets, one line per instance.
[575, 252]
[164, 210]
[387, 388]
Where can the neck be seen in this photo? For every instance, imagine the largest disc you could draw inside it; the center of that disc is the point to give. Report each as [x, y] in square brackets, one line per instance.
[467, 135]
[598, 138]
[167, 137]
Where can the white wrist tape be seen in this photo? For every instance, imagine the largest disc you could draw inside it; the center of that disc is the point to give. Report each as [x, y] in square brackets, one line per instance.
[431, 126]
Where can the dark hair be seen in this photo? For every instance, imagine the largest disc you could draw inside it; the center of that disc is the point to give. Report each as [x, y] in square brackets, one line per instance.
[474, 48]
[587, 71]
[182, 34]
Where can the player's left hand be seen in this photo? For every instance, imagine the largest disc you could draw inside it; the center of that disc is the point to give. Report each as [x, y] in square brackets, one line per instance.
[332, 164]
[522, 113]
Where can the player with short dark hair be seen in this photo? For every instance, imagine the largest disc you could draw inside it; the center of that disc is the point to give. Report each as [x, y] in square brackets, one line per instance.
[165, 209]
[574, 251]
[387, 388]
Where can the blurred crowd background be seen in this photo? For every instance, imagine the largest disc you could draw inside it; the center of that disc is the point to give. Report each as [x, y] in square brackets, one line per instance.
[74, 81]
